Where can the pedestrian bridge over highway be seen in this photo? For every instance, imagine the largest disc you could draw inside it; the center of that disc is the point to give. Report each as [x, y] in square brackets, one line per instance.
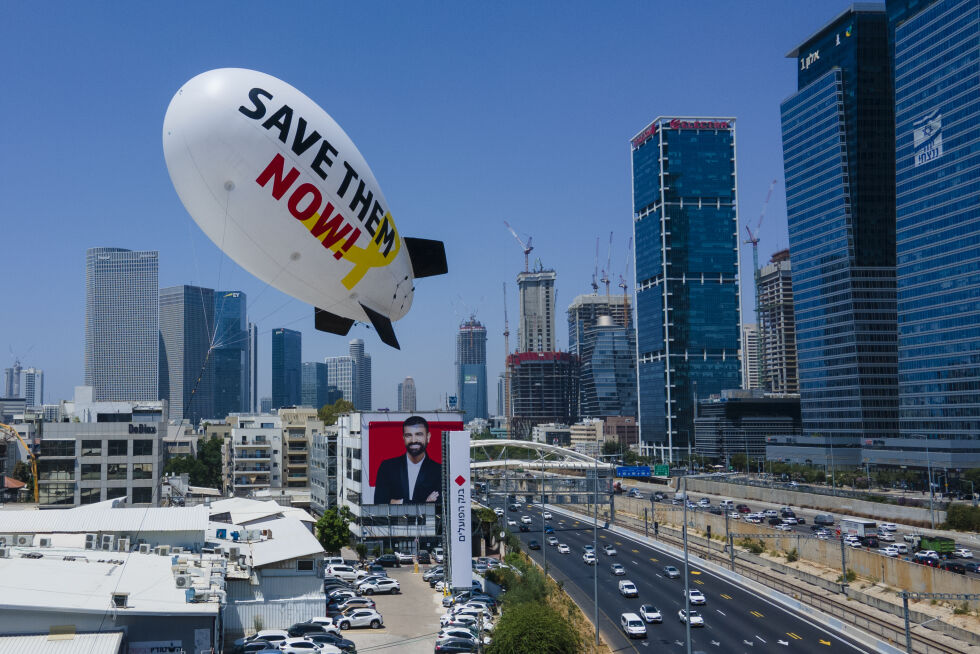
[492, 453]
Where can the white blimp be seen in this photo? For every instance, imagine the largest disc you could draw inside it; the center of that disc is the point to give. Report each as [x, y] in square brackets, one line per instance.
[276, 183]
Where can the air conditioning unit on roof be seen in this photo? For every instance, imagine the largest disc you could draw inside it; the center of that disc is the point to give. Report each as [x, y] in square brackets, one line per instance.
[45, 542]
[24, 540]
[184, 581]
[108, 542]
[163, 550]
[4, 552]
[123, 545]
[91, 541]
[6, 539]
[144, 548]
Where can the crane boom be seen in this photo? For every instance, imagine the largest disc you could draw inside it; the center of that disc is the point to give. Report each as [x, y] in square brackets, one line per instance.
[30, 455]
[605, 271]
[595, 269]
[527, 247]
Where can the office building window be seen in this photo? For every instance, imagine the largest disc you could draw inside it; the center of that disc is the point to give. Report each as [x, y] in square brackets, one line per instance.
[91, 448]
[116, 471]
[90, 495]
[142, 495]
[142, 471]
[143, 447]
[118, 448]
[91, 471]
[113, 493]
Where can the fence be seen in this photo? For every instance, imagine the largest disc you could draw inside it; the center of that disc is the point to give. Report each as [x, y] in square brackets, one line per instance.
[240, 617]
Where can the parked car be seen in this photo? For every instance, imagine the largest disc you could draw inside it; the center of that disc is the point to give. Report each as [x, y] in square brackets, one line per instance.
[361, 618]
[388, 561]
[344, 572]
[455, 646]
[423, 557]
[341, 643]
[404, 557]
[386, 585]
[438, 555]
[432, 572]
[299, 646]
[274, 636]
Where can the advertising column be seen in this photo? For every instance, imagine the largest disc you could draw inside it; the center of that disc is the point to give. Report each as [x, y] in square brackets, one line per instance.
[459, 526]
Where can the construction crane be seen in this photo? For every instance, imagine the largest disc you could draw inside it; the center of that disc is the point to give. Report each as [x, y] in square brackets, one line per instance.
[595, 269]
[506, 357]
[31, 457]
[623, 284]
[754, 240]
[605, 271]
[527, 247]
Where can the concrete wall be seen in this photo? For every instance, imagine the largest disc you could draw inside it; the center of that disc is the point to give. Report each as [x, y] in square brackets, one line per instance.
[897, 573]
[829, 503]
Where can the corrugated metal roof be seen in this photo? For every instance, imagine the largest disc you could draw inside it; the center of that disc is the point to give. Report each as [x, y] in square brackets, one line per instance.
[193, 519]
[104, 643]
[245, 511]
[290, 539]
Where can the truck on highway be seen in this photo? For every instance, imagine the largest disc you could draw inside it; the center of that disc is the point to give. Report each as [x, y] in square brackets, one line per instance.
[941, 545]
[858, 527]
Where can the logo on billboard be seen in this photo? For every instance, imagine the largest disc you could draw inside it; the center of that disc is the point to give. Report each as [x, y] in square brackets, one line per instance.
[460, 480]
[927, 137]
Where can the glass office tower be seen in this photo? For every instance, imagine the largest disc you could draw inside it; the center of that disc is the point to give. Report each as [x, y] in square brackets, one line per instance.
[471, 369]
[685, 223]
[230, 354]
[838, 147]
[287, 347]
[186, 377]
[937, 118]
[122, 324]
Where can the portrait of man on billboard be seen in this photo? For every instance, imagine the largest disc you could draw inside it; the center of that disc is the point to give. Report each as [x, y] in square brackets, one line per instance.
[411, 478]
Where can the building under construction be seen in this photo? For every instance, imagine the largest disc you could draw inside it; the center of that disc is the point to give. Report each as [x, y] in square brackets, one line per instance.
[778, 325]
[543, 389]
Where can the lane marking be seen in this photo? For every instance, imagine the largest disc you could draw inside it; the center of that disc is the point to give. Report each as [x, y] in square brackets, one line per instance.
[698, 581]
[635, 563]
[726, 596]
[783, 642]
[720, 611]
[760, 638]
[634, 551]
[757, 614]
[653, 559]
[825, 642]
[618, 543]
[695, 572]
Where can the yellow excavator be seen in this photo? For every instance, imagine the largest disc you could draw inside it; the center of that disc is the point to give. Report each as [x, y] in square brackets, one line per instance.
[31, 457]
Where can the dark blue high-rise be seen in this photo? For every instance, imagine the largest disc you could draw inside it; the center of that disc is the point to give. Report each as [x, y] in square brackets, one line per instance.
[685, 223]
[937, 122]
[230, 354]
[287, 350]
[838, 150]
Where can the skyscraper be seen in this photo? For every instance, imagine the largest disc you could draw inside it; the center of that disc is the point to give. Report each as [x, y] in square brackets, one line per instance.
[316, 388]
[607, 378]
[536, 328]
[32, 383]
[685, 223]
[186, 377]
[750, 356]
[543, 389]
[501, 385]
[287, 352]
[937, 119]
[11, 380]
[839, 154]
[406, 395]
[340, 373]
[471, 369]
[778, 325]
[253, 368]
[230, 354]
[584, 312]
[122, 324]
[362, 375]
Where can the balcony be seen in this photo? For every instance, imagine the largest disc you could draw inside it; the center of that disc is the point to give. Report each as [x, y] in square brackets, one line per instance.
[256, 443]
[296, 436]
[257, 456]
[257, 469]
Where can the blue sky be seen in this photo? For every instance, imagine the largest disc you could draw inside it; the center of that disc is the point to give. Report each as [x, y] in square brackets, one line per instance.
[468, 113]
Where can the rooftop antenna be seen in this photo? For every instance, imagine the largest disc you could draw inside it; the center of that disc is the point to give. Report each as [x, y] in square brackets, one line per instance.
[527, 247]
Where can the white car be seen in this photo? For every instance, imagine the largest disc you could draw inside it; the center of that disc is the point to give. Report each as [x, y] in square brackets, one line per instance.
[651, 613]
[963, 553]
[697, 597]
[854, 543]
[404, 557]
[511, 523]
[563, 548]
[618, 569]
[526, 519]
[790, 521]
[344, 572]
[546, 515]
[783, 527]
[704, 501]
[460, 632]
[552, 540]
[588, 558]
[438, 555]
[498, 512]
[886, 536]
[609, 550]
[274, 636]
[632, 625]
[628, 589]
[383, 585]
[696, 619]
[889, 551]
[301, 646]
[901, 547]
[361, 618]
[888, 526]
[734, 515]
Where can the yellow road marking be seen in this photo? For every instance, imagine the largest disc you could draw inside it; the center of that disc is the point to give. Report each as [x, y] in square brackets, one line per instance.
[757, 614]
[794, 636]
[635, 551]
[698, 581]
[602, 536]
[618, 543]
[726, 596]
[653, 559]
[695, 572]
[825, 642]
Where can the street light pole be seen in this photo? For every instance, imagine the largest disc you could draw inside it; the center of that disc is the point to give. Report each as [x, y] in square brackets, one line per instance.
[544, 545]
[595, 544]
[687, 583]
[932, 515]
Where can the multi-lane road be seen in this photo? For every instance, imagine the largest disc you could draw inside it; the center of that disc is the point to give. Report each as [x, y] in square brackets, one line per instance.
[736, 619]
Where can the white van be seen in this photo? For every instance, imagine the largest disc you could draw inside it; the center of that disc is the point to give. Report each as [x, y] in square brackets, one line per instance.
[727, 504]
[344, 572]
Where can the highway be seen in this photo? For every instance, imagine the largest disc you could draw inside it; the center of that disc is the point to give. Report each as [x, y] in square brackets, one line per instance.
[736, 619]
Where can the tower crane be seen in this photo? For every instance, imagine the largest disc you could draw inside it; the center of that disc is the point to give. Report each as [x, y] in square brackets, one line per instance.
[527, 247]
[595, 269]
[754, 240]
[605, 271]
[31, 457]
[623, 284]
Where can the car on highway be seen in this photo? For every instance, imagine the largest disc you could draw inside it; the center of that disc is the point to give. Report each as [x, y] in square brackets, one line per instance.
[588, 558]
[526, 519]
[360, 618]
[886, 536]
[385, 585]
[511, 523]
[498, 511]
[617, 569]
[546, 515]
[889, 551]
[588, 548]
[632, 625]
[791, 520]
[771, 513]
[704, 501]
[548, 529]
[533, 545]
[552, 540]
[783, 527]
[628, 589]
[671, 572]
[696, 597]
[734, 515]
[953, 566]
[635, 493]
[609, 550]
[910, 538]
[963, 553]
[651, 613]
[743, 508]
[563, 548]
[525, 527]
[696, 619]
[513, 507]
[856, 544]
[888, 526]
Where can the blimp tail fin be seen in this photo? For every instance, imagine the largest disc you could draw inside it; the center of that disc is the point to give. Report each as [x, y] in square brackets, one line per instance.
[428, 257]
[331, 322]
[382, 325]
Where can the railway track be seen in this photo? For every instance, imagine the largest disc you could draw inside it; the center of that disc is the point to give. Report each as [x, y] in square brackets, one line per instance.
[835, 606]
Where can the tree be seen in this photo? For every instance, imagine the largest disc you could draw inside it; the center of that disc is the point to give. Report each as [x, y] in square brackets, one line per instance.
[488, 521]
[533, 627]
[22, 473]
[361, 550]
[209, 454]
[333, 529]
[328, 413]
[196, 471]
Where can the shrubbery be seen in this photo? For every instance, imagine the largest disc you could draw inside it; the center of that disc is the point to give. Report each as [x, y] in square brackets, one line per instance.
[963, 517]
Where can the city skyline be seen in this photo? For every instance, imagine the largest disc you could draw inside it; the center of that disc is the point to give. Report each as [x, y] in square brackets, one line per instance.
[721, 75]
